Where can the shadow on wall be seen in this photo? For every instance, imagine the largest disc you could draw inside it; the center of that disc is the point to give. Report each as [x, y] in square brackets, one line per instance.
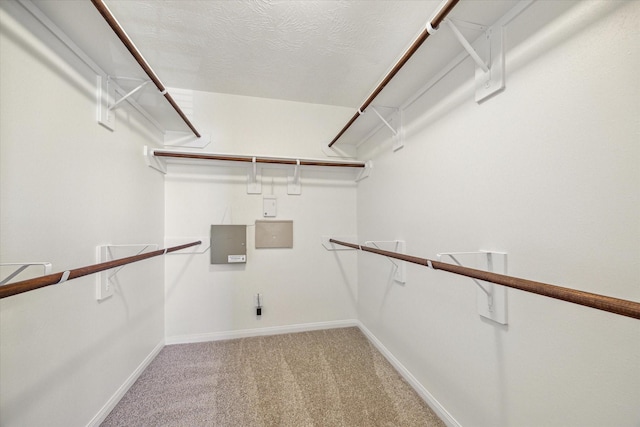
[547, 26]
[345, 279]
[555, 23]
[21, 402]
[54, 56]
[171, 287]
[47, 58]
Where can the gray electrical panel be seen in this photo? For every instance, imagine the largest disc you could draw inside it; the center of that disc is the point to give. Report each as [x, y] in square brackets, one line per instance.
[228, 244]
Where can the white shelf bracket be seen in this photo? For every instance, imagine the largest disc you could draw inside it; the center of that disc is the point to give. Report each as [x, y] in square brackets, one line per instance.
[491, 298]
[293, 181]
[21, 266]
[333, 247]
[199, 249]
[467, 46]
[154, 162]
[185, 139]
[395, 132]
[105, 279]
[127, 95]
[399, 267]
[365, 172]
[106, 98]
[106, 94]
[488, 54]
[254, 178]
[343, 151]
[398, 130]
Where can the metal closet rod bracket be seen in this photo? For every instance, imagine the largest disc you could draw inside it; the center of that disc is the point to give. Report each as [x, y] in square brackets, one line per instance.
[465, 43]
[293, 180]
[396, 117]
[21, 266]
[131, 92]
[104, 285]
[491, 298]
[154, 162]
[399, 267]
[397, 132]
[204, 246]
[366, 172]
[185, 139]
[254, 177]
[107, 90]
[488, 54]
[328, 245]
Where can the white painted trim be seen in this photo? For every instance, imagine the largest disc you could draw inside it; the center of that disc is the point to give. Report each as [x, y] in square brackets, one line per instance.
[274, 330]
[446, 417]
[113, 401]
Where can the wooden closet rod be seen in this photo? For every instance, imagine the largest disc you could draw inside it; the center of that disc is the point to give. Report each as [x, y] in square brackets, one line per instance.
[437, 20]
[600, 302]
[249, 159]
[55, 278]
[128, 43]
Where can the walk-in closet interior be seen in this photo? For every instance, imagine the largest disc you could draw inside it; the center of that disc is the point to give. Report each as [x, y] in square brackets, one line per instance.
[451, 185]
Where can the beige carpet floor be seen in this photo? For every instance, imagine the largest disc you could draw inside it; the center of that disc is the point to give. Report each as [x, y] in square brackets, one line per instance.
[330, 378]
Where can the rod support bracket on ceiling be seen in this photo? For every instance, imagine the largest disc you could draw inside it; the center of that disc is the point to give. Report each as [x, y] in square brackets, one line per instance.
[491, 298]
[488, 54]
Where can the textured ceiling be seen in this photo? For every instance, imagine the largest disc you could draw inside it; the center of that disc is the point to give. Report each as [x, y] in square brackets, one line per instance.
[325, 52]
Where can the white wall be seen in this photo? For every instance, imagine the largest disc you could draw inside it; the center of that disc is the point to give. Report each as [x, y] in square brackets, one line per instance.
[68, 185]
[548, 171]
[302, 285]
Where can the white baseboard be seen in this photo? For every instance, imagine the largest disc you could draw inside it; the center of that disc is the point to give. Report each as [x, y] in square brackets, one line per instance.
[113, 401]
[446, 417]
[274, 330]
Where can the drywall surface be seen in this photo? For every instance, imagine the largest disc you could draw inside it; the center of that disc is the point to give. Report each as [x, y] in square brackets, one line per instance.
[299, 285]
[68, 185]
[547, 171]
